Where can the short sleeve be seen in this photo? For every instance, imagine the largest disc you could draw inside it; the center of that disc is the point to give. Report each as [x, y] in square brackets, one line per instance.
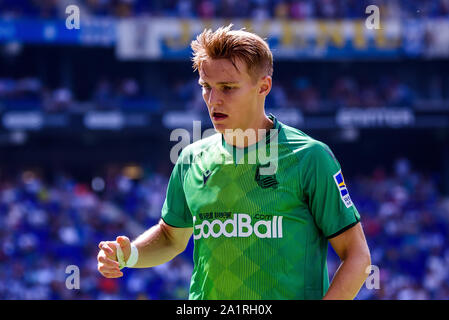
[326, 192]
[175, 211]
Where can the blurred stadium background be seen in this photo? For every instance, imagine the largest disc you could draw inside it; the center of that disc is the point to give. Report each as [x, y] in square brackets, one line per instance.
[86, 116]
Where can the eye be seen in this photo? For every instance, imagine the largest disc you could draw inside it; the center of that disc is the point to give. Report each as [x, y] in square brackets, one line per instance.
[227, 88]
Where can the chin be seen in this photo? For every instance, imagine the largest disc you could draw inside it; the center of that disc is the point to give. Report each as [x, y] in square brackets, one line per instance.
[220, 128]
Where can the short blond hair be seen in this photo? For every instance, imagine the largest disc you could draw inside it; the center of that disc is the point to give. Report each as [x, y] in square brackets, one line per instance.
[225, 43]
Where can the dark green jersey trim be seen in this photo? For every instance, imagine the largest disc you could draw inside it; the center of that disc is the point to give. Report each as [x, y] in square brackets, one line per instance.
[172, 225]
[343, 230]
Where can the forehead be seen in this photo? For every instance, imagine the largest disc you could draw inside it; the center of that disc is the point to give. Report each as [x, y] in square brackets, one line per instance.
[222, 70]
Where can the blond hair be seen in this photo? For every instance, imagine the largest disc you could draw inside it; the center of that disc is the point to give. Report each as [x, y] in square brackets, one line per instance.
[225, 43]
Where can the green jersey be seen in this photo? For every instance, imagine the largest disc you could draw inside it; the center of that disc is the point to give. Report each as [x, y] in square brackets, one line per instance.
[261, 219]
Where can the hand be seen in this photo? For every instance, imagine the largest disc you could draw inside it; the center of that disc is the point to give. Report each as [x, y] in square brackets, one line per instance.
[125, 245]
[108, 265]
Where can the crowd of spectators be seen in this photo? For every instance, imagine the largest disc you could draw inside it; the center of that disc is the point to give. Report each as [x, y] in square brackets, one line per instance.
[46, 227]
[29, 93]
[302, 93]
[257, 9]
[48, 224]
[406, 225]
[396, 89]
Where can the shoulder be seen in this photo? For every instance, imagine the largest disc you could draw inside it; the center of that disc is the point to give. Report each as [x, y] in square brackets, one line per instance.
[303, 145]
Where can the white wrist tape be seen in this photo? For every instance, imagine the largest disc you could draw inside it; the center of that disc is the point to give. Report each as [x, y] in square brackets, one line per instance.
[133, 257]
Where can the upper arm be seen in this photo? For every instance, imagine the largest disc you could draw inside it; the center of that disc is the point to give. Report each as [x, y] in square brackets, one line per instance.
[178, 237]
[325, 191]
[351, 241]
[175, 210]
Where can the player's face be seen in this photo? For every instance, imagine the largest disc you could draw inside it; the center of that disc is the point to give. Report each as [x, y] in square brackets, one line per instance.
[232, 96]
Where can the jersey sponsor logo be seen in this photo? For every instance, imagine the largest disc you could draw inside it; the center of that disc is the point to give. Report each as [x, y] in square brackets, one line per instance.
[265, 181]
[240, 226]
[344, 193]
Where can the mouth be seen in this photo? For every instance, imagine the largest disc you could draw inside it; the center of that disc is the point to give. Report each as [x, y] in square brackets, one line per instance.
[218, 116]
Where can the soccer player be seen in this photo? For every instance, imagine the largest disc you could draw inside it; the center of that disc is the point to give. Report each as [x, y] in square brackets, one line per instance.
[261, 220]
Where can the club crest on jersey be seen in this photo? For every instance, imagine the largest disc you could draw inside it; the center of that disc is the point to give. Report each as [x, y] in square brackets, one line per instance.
[344, 193]
[266, 181]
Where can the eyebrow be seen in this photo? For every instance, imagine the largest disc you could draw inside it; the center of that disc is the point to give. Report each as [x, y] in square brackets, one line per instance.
[220, 83]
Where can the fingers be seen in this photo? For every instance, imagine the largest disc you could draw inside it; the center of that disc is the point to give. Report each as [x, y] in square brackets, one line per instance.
[112, 275]
[108, 267]
[109, 248]
[105, 260]
[123, 241]
[109, 271]
[107, 264]
[103, 269]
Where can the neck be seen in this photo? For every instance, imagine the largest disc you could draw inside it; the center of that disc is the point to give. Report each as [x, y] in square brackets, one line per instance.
[240, 138]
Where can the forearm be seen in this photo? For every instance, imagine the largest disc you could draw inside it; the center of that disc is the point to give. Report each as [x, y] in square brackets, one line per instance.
[155, 247]
[349, 278]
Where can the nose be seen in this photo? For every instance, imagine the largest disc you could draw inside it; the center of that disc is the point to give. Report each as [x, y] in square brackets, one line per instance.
[214, 97]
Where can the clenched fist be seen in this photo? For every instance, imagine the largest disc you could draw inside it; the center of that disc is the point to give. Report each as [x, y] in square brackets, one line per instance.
[108, 264]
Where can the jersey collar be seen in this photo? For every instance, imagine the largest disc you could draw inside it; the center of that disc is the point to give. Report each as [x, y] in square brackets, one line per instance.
[270, 135]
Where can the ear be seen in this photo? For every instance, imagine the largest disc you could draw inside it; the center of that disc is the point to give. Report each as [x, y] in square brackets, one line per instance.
[265, 85]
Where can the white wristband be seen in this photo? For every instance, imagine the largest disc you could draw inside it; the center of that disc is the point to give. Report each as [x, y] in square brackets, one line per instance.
[132, 260]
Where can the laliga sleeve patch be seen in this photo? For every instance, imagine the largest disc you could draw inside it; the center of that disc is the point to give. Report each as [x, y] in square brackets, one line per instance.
[344, 194]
